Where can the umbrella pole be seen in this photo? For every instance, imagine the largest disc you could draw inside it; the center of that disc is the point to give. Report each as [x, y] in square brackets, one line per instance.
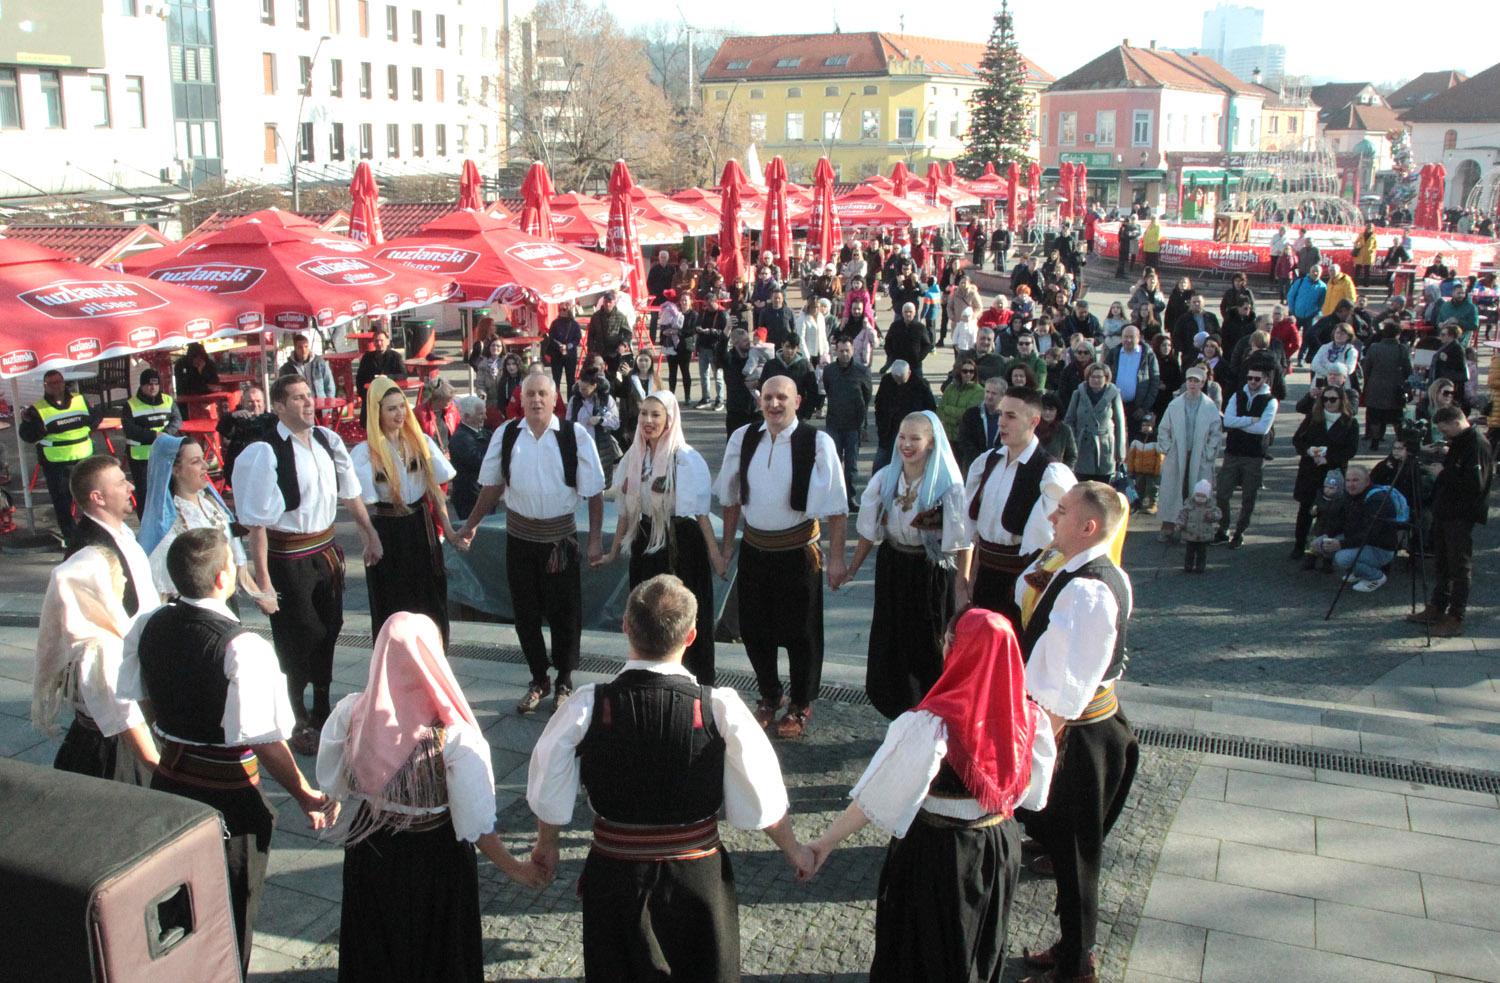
[15, 403]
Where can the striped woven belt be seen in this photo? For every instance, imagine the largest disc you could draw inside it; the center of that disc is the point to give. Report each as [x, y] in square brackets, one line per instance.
[540, 530]
[949, 822]
[994, 556]
[1104, 705]
[208, 766]
[797, 537]
[296, 545]
[626, 841]
[917, 550]
[387, 510]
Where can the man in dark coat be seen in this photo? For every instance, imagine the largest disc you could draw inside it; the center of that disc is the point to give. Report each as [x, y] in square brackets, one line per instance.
[381, 359]
[908, 340]
[466, 449]
[1461, 498]
[901, 391]
[790, 362]
[1387, 366]
[1190, 324]
[776, 319]
[608, 330]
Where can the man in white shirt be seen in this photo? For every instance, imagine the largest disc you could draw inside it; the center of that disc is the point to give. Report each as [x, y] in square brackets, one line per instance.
[785, 477]
[221, 711]
[102, 492]
[1075, 605]
[287, 489]
[543, 467]
[1248, 417]
[660, 755]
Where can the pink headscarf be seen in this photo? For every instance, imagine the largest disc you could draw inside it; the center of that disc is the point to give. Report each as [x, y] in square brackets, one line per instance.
[658, 503]
[411, 688]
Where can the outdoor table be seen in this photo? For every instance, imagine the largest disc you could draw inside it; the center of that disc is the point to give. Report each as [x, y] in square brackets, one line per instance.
[207, 431]
[1402, 278]
[425, 367]
[203, 406]
[520, 341]
[362, 337]
[329, 410]
[341, 364]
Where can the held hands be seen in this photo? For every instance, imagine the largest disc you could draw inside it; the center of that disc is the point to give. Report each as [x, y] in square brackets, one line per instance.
[605, 559]
[596, 552]
[322, 810]
[719, 560]
[817, 853]
[527, 873]
[838, 572]
[373, 551]
[544, 860]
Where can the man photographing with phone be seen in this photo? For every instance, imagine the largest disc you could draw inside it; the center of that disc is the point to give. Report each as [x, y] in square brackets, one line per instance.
[1460, 499]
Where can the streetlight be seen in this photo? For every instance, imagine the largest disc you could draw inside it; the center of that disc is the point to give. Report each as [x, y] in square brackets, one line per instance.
[312, 69]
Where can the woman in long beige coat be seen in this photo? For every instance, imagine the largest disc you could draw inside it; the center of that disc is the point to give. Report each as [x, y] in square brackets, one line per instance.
[1190, 436]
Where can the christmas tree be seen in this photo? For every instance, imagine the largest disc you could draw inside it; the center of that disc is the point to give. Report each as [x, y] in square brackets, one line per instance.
[999, 110]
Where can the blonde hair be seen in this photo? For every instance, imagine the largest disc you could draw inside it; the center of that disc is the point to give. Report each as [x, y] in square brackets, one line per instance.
[409, 447]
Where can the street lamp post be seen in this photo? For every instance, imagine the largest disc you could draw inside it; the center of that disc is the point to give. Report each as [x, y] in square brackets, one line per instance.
[312, 69]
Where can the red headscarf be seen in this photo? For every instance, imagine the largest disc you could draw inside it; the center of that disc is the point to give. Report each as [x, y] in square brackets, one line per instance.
[981, 696]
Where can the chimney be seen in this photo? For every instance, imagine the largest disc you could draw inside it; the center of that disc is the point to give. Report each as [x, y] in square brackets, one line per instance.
[1255, 76]
[1153, 44]
[1125, 43]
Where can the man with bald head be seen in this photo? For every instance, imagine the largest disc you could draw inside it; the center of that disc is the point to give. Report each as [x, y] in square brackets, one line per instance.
[909, 340]
[543, 467]
[785, 478]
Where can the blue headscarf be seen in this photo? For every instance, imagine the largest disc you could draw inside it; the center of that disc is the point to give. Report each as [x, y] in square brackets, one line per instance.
[161, 511]
[942, 474]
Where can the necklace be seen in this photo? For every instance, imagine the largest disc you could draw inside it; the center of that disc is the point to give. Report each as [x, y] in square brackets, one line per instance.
[908, 498]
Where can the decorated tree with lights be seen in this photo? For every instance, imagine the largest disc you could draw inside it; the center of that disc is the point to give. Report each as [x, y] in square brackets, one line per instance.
[999, 110]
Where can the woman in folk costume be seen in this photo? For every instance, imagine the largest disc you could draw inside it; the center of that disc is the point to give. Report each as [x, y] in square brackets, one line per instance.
[945, 784]
[913, 509]
[663, 491]
[408, 759]
[407, 513]
[80, 643]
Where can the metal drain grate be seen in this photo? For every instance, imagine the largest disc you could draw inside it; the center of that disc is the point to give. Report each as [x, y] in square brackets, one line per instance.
[1463, 779]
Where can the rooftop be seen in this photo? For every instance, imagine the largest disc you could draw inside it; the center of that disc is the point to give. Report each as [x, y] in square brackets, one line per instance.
[1475, 100]
[96, 245]
[1424, 87]
[861, 53]
[1126, 66]
[335, 221]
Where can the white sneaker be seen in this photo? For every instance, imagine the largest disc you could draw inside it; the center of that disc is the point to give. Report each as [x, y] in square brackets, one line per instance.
[1367, 586]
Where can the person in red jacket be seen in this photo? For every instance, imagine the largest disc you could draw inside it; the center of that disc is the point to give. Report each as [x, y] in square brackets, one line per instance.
[436, 414]
[1284, 329]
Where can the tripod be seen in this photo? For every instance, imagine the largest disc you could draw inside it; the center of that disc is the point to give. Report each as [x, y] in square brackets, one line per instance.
[1418, 567]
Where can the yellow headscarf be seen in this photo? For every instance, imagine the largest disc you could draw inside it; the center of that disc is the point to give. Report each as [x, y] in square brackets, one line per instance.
[385, 458]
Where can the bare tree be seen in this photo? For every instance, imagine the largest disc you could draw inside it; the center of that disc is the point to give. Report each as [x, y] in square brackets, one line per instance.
[666, 47]
[216, 195]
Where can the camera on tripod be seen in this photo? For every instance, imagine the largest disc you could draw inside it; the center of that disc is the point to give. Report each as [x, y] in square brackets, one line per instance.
[1412, 433]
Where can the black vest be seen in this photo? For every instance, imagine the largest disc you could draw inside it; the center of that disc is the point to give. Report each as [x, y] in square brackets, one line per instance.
[286, 463]
[567, 447]
[1025, 489]
[182, 669]
[1238, 442]
[88, 532]
[947, 785]
[1102, 569]
[804, 454]
[652, 754]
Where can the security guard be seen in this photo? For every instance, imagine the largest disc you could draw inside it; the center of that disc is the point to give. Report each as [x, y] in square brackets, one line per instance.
[149, 412]
[60, 424]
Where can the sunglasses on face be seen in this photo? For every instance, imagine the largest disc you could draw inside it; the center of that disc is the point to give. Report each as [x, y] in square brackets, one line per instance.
[1332, 400]
[1255, 378]
[965, 371]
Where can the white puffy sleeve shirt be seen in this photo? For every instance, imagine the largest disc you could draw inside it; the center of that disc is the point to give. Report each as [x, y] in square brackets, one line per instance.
[693, 485]
[537, 488]
[1056, 480]
[770, 474]
[413, 485]
[893, 788]
[897, 525]
[754, 794]
[323, 479]
[466, 766]
[1069, 660]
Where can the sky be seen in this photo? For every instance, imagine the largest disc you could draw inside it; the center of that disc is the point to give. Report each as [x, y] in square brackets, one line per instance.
[1367, 48]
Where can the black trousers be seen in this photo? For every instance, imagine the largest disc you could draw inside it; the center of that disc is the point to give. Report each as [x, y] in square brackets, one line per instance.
[1197, 557]
[564, 371]
[660, 921]
[995, 590]
[682, 361]
[781, 606]
[1453, 551]
[307, 623]
[1304, 525]
[686, 557]
[556, 597]
[85, 751]
[1096, 767]
[138, 470]
[57, 477]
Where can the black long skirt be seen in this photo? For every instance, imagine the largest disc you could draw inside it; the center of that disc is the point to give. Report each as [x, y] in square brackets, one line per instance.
[85, 751]
[410, 575]
[913, 604]
[943, 904]
[689, 562]
[411, 909]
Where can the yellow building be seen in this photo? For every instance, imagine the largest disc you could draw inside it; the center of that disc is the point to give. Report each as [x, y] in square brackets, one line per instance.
[865, 100]
[1289, 120]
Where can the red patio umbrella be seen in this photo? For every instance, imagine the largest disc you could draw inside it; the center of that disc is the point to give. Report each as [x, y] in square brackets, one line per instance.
[657, 207]
[900, 179]
[364, 206]
[620, 238]
[702, 199]
[1065, 191]
[868, 205]
[536, 202]
[950, 173]
[731, 260]
[823, 230]
[1080, 189]
[934, 184]
[583, 220]
[778, 232]
[490, 261]
[1034, 189]
[470, 187]
[1013, 200]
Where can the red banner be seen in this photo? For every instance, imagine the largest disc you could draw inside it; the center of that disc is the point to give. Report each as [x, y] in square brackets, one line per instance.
[1205, 254]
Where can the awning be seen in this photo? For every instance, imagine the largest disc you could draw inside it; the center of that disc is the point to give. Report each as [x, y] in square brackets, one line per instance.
[1208, 175]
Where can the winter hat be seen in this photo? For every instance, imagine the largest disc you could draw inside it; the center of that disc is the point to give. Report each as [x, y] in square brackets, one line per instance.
[1334, 480]
[1204, 488]
[148, 376]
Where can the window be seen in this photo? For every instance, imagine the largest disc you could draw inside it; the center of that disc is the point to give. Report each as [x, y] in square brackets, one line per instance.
[10, 100]
[390, 26]
[737, 66]
[1273, 124]
[366, 141]
[440, 135]
[393, 140]
[720, 95]
[1104, 128]
[1041, 128]
[268, 11]
[955, 125]
[869, 124]
[365, 85]
[304, 17]
[832, 125]
[932, 127]
[1140, 128]
[757, 93]
[304, 68]
[785, 62]
[830, 90]
[1202, 129]
[392, 83]
[335, 18]
[1450, 139]
[1218, 128]
[906, 124]
[416, 83]
[1291, 126]
[416, 38]
[440, 35]
[52, 99]
[269, 151]
[463, 91]
[99, 96]
[268, 72]
[794, 126]
[1036, 125]
[461, 47]
[135, 102]
[794, 92]
[336, 142]
[416, 140]
[758, 127]
[872, 90]
[437, 85]
[336, 78]
[305, 152]
[1167, 131]
[1067, 129]
[1234, 130]
[362, 14]
[836, 61]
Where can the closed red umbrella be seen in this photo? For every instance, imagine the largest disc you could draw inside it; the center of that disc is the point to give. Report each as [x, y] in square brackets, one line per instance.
[1013, 200]
[778, 232]
[900, 179]
[1033, 188]
[950, 173]
[1065, 191]
[536, 202]
[1080, 189]
[934, 185]
[470, 187]
[823, 231]
[491, 261]
[364, 207]
[731, 260]
[620, 239]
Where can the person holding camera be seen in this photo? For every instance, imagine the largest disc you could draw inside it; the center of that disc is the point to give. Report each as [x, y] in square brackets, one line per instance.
[1363, 539]
[1460, 499]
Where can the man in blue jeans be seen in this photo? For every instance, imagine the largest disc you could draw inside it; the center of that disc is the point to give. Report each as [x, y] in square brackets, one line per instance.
[846, 388]
[1365, 539]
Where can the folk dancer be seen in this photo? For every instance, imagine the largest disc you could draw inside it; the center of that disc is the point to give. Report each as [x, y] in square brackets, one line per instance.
[785, 477]
[287, 487]
[660, 755]
[543, 467]
[1074, 610]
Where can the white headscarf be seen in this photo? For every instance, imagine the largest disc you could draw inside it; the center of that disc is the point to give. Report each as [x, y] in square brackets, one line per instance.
[657, 500]
[80, 612]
